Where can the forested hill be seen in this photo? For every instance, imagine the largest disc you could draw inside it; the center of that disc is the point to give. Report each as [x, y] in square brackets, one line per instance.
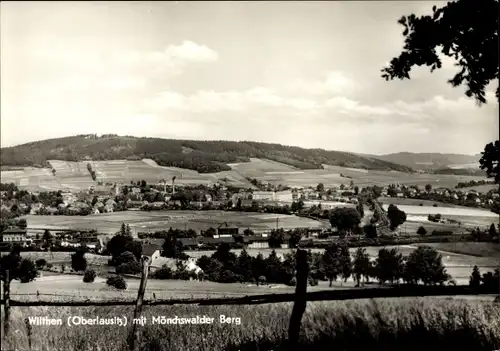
[202, 156]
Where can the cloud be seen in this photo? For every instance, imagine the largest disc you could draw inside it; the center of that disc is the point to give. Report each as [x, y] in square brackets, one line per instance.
[173, 57]
[235, 101]
[335, 82]
[79, 68]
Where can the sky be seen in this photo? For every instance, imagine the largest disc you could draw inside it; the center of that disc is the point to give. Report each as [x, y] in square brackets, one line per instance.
[294, 73]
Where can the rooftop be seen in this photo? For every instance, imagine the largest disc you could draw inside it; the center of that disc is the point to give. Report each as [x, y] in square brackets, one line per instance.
[149, 249]
[14, 231]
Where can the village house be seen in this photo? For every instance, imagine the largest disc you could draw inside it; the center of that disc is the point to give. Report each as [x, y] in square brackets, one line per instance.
[95, 211]
[284, 196]
[14, 235]
[151, 251]
[68, 197]
[35, 208]
[256, 242]
[263, 195]
[189, 243]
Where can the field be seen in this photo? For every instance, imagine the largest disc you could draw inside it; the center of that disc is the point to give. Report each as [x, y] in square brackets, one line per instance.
[416, 202]
[445, 211]
[383, 324]
[144, 221]
[417, 215]
[69, 287]
[74, 175]
[474, 249]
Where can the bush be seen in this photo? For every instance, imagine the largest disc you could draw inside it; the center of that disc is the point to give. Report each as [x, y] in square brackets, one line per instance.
[117, 282]
[40, 263]
[421, 231]
[312, 282]
[132, 267]
[165, 272]
[293, 282]
[89, 276]
[262, 280]
[435, 205]
[420, 204]
[27, 271]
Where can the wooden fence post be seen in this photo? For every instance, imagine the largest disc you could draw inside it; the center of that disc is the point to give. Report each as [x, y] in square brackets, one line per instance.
[132, 338]
[300, 303]
[28, 327]
[6, 308]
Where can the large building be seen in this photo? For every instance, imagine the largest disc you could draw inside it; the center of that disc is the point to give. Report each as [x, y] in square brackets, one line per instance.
[14, 235]
[263, 195]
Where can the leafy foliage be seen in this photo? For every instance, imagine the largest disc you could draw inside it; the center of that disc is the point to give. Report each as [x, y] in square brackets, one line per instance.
[117, 282]
[490, 159]
[89, 276]
[465, 30]
[27, 271]
[344, 218]
[24, 270]
[78, 260]
[425, 264]
[475, 278]
[396, 216]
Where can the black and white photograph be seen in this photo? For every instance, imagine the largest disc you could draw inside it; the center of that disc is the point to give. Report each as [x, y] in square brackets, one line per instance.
[249, 175]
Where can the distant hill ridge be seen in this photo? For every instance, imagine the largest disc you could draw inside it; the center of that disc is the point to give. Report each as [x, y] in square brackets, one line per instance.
[432, 161]
[202, 156]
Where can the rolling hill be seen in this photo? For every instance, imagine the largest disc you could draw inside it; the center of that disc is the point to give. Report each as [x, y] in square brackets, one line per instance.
[431, 161]
[201, 156]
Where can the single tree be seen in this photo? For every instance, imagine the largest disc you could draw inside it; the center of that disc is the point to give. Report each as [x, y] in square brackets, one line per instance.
[295, 236]
[27, 271]
[330, 260]
[396, 216]
[389, 265]
[78, 260]
[320, 188]
[428, 188]
[492, 231]
[361, 265]
[421, 231]
[276, 238]
[47, 238]
[475, 278]
[370, 231]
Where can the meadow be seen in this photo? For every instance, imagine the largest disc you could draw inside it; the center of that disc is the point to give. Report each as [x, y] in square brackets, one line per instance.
[416, 202]
[74, 175]
[70, 287]
[477, 249]
[151, 221]
[383, 324]
[445, 211]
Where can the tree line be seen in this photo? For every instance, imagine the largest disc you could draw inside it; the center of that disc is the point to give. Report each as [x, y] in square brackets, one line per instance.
[424, 265]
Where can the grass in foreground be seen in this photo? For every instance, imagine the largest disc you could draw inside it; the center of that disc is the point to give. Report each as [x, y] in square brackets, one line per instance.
[385, 324]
